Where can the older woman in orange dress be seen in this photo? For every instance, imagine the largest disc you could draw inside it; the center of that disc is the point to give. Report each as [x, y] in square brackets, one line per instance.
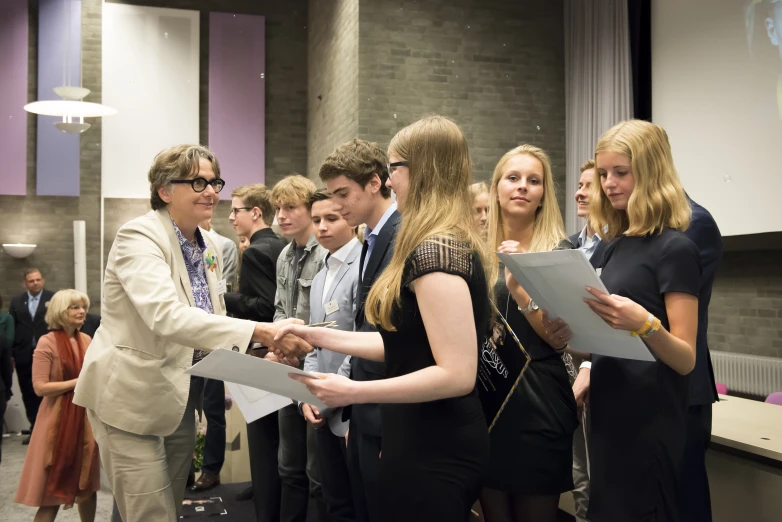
[61, 466]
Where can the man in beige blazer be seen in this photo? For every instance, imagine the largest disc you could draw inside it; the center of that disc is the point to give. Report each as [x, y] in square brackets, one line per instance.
[162, 298]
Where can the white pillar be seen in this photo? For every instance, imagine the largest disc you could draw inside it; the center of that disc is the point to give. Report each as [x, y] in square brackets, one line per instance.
[80, 256]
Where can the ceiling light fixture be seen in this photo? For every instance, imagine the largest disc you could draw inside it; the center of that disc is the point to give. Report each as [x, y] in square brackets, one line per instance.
[70, 108]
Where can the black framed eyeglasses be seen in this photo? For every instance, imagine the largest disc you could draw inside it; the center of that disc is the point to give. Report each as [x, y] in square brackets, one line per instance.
[199, 184]
[392, 166]
[235, 210]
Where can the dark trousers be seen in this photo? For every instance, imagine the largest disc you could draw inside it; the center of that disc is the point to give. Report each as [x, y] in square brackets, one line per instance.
[298, 468]
[24, 372]
[364, 467]
[2, 417]
[263, 438]
[694, 487]
[214, 410]
[334, 475]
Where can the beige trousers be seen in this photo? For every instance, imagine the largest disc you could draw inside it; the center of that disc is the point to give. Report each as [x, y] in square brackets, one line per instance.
[148, 473]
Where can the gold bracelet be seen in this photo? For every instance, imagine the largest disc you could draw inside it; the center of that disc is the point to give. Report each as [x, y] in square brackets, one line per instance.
[643, 330]
[656, 325]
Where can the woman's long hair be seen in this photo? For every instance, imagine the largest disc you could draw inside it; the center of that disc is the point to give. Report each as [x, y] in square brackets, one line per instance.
[658, 199]
[438, 203]
[549, 229]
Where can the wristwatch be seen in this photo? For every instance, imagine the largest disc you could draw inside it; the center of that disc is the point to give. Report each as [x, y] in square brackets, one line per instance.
[531, 307]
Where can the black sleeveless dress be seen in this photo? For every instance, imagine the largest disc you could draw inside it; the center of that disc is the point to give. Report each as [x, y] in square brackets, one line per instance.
[434, 453]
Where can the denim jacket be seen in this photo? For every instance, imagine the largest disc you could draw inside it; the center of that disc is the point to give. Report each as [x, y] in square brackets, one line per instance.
[310, 264]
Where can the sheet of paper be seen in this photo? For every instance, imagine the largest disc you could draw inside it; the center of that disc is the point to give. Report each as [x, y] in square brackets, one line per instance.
[255, 403]
[240, 368]
[557, 283]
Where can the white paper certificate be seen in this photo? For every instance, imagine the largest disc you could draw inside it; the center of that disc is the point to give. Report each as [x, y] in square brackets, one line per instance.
[557, 282]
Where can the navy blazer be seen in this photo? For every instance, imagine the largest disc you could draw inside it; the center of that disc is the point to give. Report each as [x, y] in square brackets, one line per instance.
[705, 233]
[28, 329]
[368, 415]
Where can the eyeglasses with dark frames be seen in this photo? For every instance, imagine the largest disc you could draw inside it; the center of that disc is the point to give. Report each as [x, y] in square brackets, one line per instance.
[392, 166]
[235, 210]
[199, 184]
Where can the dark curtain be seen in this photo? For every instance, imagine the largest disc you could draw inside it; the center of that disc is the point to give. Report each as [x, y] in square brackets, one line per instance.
[639, 14]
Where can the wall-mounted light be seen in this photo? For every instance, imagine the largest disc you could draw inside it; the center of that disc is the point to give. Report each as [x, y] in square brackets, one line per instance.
[18, 250]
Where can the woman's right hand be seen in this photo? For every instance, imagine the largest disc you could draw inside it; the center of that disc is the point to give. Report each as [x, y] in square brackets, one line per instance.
[557, 332]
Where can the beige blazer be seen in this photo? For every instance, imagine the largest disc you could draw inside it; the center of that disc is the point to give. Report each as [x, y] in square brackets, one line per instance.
[134, 376]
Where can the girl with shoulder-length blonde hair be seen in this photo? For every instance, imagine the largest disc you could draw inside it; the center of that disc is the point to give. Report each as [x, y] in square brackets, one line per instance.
[432, 309]
[652, 272]
[541, 415]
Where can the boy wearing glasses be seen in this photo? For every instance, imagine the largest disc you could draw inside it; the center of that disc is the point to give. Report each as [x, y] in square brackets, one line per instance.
[251, 216]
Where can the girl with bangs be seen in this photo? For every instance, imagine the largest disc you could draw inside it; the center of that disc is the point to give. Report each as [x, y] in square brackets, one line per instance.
[652, 271]
[432, 309]
[532, 441]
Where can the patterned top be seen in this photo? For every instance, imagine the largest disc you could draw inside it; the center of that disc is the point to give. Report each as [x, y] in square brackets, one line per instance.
[439, 254]
[196, 271]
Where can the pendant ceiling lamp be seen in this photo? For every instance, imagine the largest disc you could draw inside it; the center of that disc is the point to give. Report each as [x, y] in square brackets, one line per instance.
[70, 107]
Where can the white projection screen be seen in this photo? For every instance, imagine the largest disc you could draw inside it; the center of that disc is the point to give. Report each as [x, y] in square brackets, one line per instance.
[717, 90]
[151, 76]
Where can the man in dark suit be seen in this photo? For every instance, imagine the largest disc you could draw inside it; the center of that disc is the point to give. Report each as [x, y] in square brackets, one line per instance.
[696, 499]
[251, 216]
[356, 174]
[28, 310]
[91, 325]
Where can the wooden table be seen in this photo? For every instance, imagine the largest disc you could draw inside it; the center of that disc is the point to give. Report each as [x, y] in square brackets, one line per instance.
[752, 427]
[744, 461]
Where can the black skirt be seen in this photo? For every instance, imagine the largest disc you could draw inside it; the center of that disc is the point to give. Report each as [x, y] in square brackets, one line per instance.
[532, 442]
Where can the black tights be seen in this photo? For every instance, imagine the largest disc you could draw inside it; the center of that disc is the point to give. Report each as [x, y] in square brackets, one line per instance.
[499, 506]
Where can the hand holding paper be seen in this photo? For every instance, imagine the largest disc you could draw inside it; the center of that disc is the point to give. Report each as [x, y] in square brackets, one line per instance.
[619, 312]
[332, 389]
[557, 332]
[557, 282]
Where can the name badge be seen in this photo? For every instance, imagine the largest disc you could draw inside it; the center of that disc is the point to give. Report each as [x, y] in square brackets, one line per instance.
[221, 287]
[331, 307]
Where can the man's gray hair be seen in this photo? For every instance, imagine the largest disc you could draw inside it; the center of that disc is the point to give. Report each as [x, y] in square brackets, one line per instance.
[179, 162]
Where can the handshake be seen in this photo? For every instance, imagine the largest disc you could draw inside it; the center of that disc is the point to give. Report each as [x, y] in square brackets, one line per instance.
[285, 346]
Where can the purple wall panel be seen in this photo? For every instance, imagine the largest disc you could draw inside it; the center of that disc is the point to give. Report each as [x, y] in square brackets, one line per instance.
[58, 153]
[237, 96]
[13, 86]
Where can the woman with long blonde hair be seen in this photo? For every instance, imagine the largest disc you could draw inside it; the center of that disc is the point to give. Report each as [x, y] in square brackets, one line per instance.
[431, 306]
[531, 443]
[639, 408]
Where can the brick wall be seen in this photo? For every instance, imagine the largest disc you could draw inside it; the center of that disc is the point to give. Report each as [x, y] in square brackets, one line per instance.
[332, 105]
[496, 67]
[745, 315]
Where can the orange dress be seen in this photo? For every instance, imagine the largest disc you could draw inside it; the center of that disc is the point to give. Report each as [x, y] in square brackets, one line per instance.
[32, 484]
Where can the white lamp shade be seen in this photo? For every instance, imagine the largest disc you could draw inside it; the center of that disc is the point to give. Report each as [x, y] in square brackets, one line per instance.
[75, 109]
[18, 250]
